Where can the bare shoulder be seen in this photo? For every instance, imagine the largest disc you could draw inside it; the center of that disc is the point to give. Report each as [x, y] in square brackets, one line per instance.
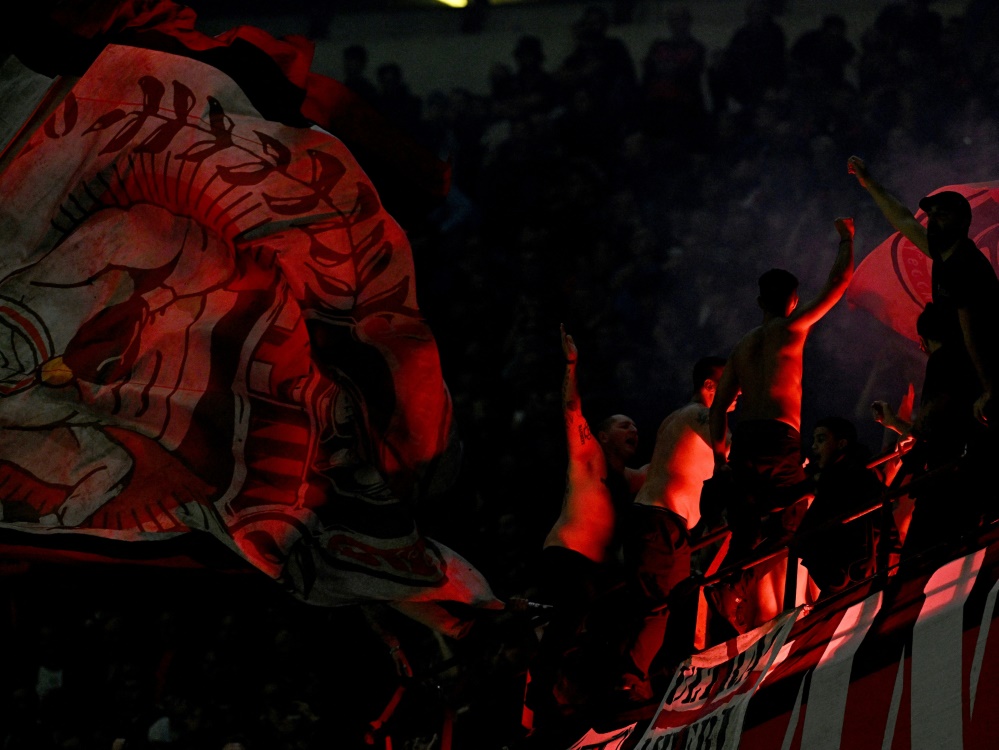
[699, 415]
[692, 414]
[750, 339]
[747, 345]
[669, 419]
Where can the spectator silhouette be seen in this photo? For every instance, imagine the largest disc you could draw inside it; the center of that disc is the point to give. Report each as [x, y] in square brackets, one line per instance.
[355, 63]
[672, 92]
[843, 554]
[822, 54]
[944, 431]
[395, 101]
[602, 66]
[529, 90]
[752, 63]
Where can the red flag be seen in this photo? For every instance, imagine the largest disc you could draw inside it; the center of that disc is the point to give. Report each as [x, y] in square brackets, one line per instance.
[209, 323]
[893, 282]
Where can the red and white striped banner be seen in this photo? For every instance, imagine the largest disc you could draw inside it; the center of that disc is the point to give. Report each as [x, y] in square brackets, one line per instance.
[907, 668]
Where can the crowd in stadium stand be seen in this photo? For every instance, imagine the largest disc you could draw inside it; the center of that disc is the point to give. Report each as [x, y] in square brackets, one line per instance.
[634, 199]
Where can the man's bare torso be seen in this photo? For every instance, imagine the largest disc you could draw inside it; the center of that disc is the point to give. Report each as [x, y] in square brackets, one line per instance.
[681, 461]
[586, 523]
[768, 363]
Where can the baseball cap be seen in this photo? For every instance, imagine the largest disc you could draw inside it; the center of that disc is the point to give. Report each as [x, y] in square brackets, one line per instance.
[950, 200]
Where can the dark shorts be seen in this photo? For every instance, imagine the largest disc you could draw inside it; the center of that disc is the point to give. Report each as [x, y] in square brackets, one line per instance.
[766, 453]
[768, 480]
[657, 550]
[571, 583]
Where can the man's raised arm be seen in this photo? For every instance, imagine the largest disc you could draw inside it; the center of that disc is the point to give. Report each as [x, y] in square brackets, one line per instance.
[806, 315]
[898, 215]
[577, 431]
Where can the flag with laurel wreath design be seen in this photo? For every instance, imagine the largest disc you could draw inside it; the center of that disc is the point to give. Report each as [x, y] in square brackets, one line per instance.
[209, 324]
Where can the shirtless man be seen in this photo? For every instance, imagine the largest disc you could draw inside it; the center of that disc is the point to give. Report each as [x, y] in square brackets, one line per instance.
[657, 539]
[765, 458]
[580, 547]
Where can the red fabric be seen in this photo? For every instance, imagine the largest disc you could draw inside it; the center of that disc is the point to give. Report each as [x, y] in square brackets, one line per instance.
[65, 36]
[213, 328]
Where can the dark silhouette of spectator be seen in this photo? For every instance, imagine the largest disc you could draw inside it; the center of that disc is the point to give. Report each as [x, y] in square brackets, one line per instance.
[587, 129]
[822, 54]
[672, 94]
[752, 63]
[601, 65]
[500, 84]
[844, 554]
[821, 99]
[944, 431]
[964, 282]
[437, 127]
[912, 32]
[511, 183]
[395, 101]
[459, 120]
[355, 63]
[529, 90]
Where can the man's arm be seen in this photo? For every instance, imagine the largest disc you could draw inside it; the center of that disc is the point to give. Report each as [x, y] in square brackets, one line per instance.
[725, 394]
[898, 215]
[973, 330]
[805, 316]
[635, 477]
[580, 439]
[885, 415]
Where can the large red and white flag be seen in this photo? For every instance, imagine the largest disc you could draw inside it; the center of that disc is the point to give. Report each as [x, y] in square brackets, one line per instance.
[893, 281]
[208, 323]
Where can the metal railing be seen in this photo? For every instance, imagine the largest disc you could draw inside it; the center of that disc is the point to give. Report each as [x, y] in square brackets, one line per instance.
[882, 569]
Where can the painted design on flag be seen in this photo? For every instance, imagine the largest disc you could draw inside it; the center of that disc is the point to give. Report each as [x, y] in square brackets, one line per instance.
[893, 281]
[208, 322]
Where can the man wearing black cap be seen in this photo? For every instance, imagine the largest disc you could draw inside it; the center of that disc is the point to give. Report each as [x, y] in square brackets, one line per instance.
[965, 287]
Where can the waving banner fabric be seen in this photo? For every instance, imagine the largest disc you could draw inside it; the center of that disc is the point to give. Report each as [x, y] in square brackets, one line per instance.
[64, 37]
[208, 322]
